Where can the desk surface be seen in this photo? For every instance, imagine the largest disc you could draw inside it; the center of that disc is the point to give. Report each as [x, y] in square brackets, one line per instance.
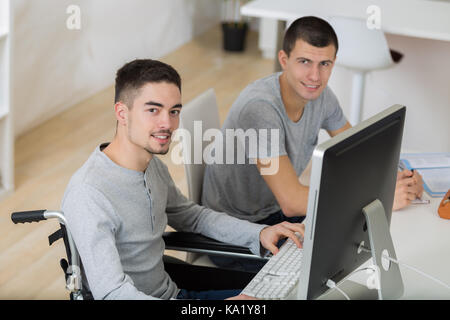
[416, 18]
[422, 240]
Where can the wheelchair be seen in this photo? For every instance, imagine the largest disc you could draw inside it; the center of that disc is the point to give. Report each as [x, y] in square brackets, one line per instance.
[185, 275]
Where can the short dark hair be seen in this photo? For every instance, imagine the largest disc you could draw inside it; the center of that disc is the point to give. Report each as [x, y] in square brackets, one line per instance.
[313, 30]
[135, 74]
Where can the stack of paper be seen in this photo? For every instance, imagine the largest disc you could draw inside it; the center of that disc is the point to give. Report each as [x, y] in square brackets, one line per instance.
[434, 169]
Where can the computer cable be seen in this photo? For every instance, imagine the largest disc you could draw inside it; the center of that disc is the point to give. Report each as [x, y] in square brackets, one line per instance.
[400, 263]
[332, 285]
[417, 270]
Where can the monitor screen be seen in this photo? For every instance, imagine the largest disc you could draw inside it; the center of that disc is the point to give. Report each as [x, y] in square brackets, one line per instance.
[349, 172]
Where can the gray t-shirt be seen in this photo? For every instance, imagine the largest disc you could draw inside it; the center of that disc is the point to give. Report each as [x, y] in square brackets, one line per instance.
[117, 217]
[239, 189]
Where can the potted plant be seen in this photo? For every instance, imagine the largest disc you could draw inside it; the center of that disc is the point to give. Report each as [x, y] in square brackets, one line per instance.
[234, 28]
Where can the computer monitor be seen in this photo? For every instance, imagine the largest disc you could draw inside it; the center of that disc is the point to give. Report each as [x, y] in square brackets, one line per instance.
[349, 173]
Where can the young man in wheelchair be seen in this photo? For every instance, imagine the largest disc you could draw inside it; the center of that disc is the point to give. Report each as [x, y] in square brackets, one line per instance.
[120, 201]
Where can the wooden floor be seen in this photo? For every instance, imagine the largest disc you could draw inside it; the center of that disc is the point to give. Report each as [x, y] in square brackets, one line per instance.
[47, 156]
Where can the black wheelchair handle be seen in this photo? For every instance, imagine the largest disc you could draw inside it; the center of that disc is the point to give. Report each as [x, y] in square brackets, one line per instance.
[28, 216]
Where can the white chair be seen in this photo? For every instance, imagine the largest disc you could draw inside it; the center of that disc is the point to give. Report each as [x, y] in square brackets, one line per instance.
[362, 50]
[203, 109]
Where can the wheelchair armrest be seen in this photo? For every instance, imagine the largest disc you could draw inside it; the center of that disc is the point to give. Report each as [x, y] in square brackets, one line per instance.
[193, 242]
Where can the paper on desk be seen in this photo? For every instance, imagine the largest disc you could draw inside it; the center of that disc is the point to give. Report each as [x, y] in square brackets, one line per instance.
[426, 160]
[434, 169]
[437, 180]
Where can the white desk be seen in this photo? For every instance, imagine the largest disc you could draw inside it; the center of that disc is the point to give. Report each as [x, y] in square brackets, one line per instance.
[416, 18]
[421, 239]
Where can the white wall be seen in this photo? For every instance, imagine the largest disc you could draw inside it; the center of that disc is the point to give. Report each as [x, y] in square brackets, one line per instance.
[55, 68]
[421, 82]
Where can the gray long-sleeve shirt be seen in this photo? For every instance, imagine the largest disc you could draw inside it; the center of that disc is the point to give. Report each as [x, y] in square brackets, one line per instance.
[117, 217]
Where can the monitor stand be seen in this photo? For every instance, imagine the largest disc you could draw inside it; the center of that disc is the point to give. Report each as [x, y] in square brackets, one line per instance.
[390, 284]
[390, 279]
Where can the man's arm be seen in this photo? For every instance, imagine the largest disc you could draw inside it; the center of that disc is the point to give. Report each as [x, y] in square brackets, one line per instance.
[91, 222]
[185, 215]
[333, 133]
[291, 195]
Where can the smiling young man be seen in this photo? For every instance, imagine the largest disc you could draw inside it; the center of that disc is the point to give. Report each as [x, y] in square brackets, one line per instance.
[296, 103]
[120, 201]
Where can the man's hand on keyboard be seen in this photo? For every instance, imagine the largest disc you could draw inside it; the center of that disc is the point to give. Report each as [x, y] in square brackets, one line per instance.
[269, 236]
[280, 274]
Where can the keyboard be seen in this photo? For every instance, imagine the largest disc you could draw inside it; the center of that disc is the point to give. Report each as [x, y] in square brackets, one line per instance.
[279, 275]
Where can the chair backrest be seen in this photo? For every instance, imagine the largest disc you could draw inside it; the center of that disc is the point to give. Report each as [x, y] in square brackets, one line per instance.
[202, 110]
[360, 48]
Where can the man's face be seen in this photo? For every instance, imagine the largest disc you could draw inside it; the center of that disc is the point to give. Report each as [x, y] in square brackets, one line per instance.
[154, 116]
[308, 68]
